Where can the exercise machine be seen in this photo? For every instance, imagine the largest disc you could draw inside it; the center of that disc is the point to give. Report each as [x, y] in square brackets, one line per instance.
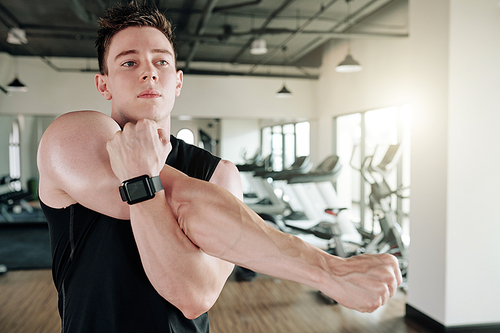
[13, 198]
[389, 240]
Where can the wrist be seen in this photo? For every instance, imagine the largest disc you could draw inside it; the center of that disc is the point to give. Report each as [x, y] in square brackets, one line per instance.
[140, 189]
[330, 268]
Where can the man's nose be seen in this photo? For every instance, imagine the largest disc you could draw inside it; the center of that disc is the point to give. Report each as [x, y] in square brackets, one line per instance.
[150, 76]
[149, 73]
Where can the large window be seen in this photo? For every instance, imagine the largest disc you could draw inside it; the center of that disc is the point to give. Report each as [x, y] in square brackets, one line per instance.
[15, 157]
[284, 143]
[364, 141]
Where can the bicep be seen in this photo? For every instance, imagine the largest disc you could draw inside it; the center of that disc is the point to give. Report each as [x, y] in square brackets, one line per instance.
[74, 164]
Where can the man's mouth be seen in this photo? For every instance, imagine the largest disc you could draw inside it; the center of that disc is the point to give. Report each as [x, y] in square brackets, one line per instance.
[149, 94]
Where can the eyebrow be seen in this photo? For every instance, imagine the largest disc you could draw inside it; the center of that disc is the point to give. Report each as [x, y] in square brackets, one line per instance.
[127, 52]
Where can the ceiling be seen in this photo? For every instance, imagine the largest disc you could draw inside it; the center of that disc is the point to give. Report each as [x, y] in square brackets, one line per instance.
[213, 36]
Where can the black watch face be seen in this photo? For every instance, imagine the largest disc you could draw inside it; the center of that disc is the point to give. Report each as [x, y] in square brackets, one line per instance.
[139, 190]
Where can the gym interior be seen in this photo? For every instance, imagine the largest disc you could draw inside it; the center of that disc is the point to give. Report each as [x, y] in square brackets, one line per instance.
[403, 153]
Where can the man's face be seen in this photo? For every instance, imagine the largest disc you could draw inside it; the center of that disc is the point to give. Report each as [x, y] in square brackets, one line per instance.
[142, 81]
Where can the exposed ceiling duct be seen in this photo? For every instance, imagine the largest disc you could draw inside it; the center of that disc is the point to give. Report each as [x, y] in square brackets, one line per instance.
[213, 37]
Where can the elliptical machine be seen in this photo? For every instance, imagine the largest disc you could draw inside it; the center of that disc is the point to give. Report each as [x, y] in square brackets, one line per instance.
[389, 240]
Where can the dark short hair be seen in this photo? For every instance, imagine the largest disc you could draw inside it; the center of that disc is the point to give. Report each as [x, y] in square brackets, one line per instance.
[124, 16]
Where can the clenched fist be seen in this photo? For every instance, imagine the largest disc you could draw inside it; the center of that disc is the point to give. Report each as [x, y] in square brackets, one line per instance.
[364, 282]
[139, 149]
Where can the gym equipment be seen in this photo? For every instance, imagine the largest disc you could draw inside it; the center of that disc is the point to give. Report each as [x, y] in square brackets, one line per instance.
[308, 196]
[263, 199]
[13, 198]
[8, 200]
[261, 196]
[389, 240]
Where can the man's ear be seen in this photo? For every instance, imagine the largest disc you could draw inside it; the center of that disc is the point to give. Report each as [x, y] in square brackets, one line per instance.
[178, 85]
[101, 83]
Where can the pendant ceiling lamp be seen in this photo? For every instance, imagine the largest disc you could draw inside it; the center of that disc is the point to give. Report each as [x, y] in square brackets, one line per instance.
[259, 46]
[348, 65]
[16, 36]
[16, 85]
[284, 92]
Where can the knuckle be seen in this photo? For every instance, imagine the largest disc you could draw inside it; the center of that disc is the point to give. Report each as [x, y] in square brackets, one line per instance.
[128, 126]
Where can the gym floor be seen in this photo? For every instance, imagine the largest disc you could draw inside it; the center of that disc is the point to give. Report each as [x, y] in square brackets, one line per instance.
[28, 303]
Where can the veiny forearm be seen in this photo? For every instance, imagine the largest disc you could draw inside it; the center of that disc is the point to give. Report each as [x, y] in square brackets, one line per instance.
[224, 227]
[182, 273]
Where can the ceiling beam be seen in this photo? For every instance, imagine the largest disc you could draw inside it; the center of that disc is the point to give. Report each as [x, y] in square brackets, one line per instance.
[82, 13]
[207, 14]
[306, 76]
[236, 5]
[342, 26]
[185, 14]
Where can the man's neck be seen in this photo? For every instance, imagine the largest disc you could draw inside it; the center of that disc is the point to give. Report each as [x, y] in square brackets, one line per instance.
[164, 124]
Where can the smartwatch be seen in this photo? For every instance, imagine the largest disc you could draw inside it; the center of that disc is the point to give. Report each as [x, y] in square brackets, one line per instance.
[140, 189]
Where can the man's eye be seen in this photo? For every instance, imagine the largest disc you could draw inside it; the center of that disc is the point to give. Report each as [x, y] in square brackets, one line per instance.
[128, 64]
[162, 63]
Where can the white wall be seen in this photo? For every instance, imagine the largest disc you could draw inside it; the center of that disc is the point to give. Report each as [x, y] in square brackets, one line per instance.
[49, 92]
[429, 157]
[473, 254]
[244, 98]
[455, 262]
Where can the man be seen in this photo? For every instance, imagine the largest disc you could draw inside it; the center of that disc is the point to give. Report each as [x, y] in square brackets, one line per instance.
[160, 262]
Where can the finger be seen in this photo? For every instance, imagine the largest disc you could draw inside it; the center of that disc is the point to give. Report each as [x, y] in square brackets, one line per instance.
[393, 287]
[394, 281]
[111, 143]
[397, 271]
[394, 262]
[128, 127]
[163, 136]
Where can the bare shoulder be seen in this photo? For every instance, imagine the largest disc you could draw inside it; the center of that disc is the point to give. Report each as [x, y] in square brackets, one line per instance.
[73, 123]
[73, 160]
[71, 137]
[226, 175]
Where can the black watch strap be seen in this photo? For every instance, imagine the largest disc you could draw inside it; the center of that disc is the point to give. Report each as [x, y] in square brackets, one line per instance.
[157, 185]
[140, 189]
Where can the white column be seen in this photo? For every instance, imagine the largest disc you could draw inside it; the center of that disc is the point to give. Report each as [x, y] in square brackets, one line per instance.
[455, 220]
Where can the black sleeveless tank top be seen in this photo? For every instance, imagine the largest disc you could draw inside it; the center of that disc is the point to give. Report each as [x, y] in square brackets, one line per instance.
[97, 269]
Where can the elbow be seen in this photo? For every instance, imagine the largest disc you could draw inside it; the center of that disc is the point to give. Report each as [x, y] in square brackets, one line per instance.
[193, 312]
[193, 306]
[191, 300]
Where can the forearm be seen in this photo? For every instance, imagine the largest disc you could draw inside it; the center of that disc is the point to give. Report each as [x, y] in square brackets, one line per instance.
[223, 227]
[180, 272]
